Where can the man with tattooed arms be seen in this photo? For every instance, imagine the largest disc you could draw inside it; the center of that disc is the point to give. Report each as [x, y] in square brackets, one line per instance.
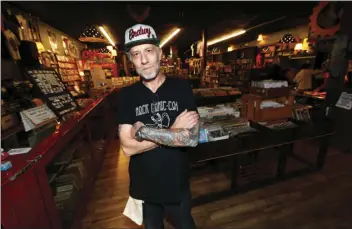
[157, 119]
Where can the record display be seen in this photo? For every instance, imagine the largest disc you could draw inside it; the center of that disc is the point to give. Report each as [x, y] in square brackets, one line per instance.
[55, 93]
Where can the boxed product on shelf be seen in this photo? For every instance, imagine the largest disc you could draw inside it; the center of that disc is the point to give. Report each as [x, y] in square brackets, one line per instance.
[234, 126]
[280, 125]
[301, 113]
[79, 164]
[273, 109]
[61, 197]
[269, 84]
[64, 188]
[218, 110]
[71, 175]
[216, 133]
[233, 131]
[270, 104]
[203, 135]
[270, 88]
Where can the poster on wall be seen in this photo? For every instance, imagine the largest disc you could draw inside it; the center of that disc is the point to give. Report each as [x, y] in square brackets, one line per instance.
[53, 41]
[69, 48]
[29, 30]
[49, 61]
[65, 44]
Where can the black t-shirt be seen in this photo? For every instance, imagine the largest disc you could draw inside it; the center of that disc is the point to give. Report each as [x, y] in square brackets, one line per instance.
[160, 175]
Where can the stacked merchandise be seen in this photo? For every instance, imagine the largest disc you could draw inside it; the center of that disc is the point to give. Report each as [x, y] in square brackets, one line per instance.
[212, 73]
[124, 81]
[194, 67]
[222, 122]
[70, 75]
[214, 92]
[53, 91]
[243, 67]
[227, 76]
[269, 84]
[270, 104]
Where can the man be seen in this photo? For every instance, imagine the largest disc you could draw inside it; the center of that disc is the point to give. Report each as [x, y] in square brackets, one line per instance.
[303, 78]
[157, 118]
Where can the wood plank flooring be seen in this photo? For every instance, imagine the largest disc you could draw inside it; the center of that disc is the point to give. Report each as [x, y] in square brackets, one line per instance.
[320, 200]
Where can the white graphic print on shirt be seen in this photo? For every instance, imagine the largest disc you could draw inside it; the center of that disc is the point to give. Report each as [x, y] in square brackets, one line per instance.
[158, 110]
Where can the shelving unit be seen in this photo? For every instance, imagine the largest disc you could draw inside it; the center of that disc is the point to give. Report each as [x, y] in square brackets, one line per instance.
[69, 73]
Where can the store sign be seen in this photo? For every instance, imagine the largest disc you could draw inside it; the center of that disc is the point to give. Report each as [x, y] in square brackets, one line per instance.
[91, 59]
[88, 54]
[37, 116]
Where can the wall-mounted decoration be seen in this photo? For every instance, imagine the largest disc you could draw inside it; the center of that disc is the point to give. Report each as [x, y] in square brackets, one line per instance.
[69, 48]
[331, 20]
[12, 44]
[53, 41]
[138, 12]
[48, 60]
[65, 44]
[28, 30]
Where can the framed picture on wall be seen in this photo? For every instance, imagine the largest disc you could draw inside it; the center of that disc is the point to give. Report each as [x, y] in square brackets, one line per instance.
[53, 41]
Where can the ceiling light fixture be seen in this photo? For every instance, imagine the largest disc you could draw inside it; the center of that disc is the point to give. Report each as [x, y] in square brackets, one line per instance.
[235, 34]
[106, 35]
[170, 37]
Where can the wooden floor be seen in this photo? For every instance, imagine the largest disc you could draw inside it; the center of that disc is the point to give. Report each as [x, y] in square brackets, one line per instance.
[317, 201]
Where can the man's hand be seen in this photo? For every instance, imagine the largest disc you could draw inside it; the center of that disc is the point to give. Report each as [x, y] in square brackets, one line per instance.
[135, 128]
[185, 120]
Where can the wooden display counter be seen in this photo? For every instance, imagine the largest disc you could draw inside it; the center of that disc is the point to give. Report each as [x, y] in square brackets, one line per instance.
[49, 186]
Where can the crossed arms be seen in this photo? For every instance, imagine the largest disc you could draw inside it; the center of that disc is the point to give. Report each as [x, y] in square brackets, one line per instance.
[183, 133]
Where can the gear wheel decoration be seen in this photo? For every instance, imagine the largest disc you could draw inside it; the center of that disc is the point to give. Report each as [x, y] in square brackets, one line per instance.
[314, 26]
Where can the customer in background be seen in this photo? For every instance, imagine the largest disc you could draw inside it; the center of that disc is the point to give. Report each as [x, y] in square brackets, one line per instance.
[303, 78]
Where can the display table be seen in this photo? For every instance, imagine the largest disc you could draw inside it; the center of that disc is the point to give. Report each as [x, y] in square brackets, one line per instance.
[30, 189]
[252, 144]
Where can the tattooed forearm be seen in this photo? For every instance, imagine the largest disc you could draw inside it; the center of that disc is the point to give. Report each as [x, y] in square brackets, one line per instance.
[171, 137]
